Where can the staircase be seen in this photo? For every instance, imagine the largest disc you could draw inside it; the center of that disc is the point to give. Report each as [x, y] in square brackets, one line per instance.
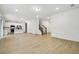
[43, 29]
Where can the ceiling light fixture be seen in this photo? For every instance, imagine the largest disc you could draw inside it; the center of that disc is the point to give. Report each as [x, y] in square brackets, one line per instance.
[48, 17]
[22, 18]
[57, 8]
[36, 9]
[37, 16]
[16, 10]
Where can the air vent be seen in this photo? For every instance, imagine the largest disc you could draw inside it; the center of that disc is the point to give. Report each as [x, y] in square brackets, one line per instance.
[72, 5]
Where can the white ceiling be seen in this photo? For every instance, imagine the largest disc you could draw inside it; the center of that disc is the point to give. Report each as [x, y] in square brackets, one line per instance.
[25, 11]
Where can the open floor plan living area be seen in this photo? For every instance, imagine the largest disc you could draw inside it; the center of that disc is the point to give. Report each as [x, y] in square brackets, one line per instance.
[39, 28]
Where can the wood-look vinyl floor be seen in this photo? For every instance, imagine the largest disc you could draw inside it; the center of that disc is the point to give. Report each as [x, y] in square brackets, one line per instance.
[36, 44]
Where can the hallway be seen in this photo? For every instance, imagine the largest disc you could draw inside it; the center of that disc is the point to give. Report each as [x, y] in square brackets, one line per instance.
[29, 43]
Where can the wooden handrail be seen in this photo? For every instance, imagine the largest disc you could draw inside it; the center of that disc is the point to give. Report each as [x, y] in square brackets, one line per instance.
[43, 29]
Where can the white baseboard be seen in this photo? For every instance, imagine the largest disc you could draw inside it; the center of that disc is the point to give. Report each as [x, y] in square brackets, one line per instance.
[65, 38]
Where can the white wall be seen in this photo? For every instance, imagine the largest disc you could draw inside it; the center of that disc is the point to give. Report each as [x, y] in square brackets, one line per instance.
[66, 25]
[1, 27]
[33, 26]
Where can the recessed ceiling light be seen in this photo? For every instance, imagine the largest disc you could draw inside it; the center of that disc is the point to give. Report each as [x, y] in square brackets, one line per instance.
[37, 16]
[57, 8]
[36, 9]
[22, 18]
[16, 10]
[48, 17]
